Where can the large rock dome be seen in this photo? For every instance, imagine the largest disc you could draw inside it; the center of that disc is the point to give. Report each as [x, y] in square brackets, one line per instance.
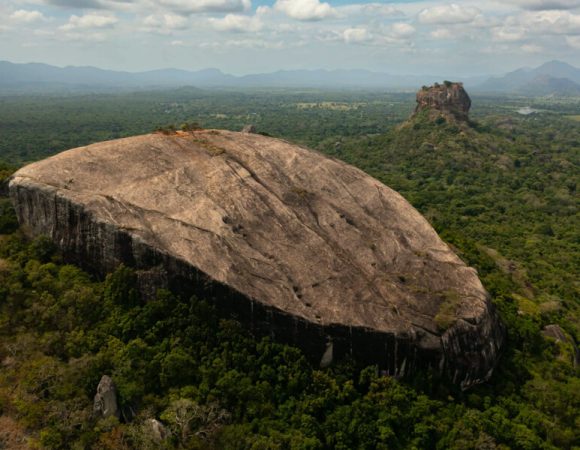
[294, 244]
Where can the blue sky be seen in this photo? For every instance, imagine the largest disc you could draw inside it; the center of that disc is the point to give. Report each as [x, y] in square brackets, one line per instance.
[461, 38]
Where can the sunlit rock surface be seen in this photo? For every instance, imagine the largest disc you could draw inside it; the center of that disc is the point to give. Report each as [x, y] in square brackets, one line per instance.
[294, 244]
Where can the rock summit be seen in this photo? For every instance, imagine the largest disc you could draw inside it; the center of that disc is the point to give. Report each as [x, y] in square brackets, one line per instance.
[447, 99]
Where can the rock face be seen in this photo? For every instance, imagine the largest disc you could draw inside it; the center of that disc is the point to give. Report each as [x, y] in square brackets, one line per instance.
[448, 99]
[557, 333]
[293, 244]
[156, 429]
[105, 403]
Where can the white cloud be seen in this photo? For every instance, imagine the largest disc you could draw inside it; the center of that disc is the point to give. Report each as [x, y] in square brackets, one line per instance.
[201, 6]
[369, 9]
[531, 48]
[448, 14]
[244, 44]
[550, 22]
[165, 23]
[441, 33]
[307, 10]
[237, 23]
[79, 37]
[91, 20]
[25, 16]
[508, 34]
[356, 35]
[402, 30]
[539, 5]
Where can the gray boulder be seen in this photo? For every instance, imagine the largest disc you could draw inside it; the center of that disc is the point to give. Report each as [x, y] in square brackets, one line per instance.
[105, 403]
[156, 429]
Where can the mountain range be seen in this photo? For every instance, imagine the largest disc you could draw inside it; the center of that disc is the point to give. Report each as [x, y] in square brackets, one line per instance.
[551, 78]
[43, 77]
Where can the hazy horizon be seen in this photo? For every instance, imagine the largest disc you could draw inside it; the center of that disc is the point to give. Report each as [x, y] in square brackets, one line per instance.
[242, 36]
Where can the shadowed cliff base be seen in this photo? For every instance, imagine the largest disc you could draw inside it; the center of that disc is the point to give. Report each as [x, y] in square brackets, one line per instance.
[293, 244]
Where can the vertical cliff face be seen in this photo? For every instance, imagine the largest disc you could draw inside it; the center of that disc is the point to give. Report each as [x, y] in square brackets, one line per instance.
[293, 244]
[448, 99]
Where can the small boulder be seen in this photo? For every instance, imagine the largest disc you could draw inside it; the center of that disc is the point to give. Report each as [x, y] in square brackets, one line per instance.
[328, 355]
[105, 404]
[157, 429]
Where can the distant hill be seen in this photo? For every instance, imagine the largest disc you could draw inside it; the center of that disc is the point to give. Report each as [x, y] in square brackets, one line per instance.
[551, 78]
[548, 85]
[46, 77]
[43, 77]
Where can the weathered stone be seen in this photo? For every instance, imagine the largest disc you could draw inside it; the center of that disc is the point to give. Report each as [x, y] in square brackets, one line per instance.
[328, 355]
[448, 99]
[293, 244]
[555, 332]
[156, 429]
[105, 403]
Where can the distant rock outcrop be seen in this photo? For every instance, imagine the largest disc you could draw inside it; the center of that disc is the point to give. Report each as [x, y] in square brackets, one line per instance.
[447, 99]
[294, 244]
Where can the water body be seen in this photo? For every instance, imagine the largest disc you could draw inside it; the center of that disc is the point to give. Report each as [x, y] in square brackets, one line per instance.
[526, 111]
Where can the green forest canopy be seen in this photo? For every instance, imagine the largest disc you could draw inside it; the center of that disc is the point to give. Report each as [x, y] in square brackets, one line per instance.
[502, 192]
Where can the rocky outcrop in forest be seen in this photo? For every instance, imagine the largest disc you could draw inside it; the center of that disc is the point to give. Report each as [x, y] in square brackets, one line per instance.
[295, 245]
[448, 99]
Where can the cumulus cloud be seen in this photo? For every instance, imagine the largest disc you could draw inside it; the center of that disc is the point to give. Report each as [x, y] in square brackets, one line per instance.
[508, 34]
[307, 10]
[538, 5]
[91, 4]
[356, 35]
[448, 14]
[25, 16]
[550, 22]
[369, 9]
[91, 20]
[237, 23]
[245, 43]
[201, 6]
[165, 23]
[77, 4]
[441, 33]
[402, 30]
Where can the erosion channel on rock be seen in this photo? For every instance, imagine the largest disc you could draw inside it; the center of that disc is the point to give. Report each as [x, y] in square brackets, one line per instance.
[295, 245]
